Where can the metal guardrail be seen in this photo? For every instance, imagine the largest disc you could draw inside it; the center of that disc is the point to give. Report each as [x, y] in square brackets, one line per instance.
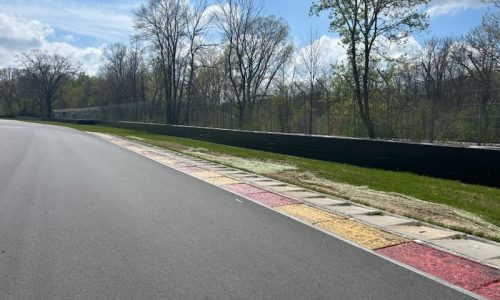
[467, 164]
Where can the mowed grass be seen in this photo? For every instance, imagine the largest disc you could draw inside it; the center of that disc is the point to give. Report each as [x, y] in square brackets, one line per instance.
[480, 200]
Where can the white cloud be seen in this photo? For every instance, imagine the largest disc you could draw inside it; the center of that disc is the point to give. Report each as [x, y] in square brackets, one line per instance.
[102, 20]
[450, 7]
[331, 51]
[15, 35]
[88, 56]
[18, 36]
[408, 47]
[213, 10]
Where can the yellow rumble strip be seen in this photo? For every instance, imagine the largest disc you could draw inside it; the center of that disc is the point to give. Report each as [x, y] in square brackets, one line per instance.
[206, 174]
[223, 180]
[307, 213]
[361, 234]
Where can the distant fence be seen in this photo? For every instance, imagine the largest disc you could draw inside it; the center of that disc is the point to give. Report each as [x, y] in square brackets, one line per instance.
[412, 119]
[467, 164]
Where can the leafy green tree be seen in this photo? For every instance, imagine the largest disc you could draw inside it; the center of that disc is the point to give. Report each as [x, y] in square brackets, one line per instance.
[363, 25]
[9, 96]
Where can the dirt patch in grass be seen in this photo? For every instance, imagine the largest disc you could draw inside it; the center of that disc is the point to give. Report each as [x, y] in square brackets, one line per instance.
[252, 165]
[135, 138]
[162, 144]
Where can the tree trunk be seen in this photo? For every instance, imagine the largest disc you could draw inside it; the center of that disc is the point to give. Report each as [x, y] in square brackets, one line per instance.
[433, 118]
[241, 116]
[311, 109]
[47, 114]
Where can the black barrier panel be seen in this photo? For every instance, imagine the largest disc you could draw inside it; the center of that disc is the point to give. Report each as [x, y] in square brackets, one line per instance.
[76, 121]
[472, 165]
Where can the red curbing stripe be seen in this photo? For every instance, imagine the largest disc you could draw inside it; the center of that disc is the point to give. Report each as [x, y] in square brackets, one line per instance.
[491, 291]
[459, 271]
[271, 199]
[244, 189]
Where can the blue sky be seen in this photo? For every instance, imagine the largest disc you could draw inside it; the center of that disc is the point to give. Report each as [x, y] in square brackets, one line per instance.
[82, 28]
[457, 17]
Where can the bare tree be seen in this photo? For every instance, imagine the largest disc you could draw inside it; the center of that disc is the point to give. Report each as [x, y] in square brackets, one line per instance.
[196, 29]
[311, 62]
[256, 48]
[434, 63]
[286, 92]
[164, 23]
[48, 73]
[479, 54]
[114, 69]
[135, 71]
[361, 24]
[210, 88]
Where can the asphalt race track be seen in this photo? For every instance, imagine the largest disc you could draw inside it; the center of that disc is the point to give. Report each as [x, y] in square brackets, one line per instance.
[81, 218]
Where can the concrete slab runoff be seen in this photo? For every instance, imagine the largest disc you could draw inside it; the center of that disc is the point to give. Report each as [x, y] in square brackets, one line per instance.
[286, 188]
[198, 160]
[152, 154]
[270, 183]
[218, 168]
[206, 174]
[208, 165]
[495, 262]
[424, 233]
[472, 248]
[232, 172]
[166, 161]
[189, 169]
[323, 201]
[301, 194]
[383, 220]
[249, 178]
[351, 210]
[206, 162]
[243, 176]
[239, 174]
[135, 149]
[258, 179]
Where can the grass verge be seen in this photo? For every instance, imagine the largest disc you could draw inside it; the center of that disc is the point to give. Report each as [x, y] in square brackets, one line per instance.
[480, 201]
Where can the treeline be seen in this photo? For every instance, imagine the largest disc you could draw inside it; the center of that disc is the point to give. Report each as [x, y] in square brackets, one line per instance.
[233, 66]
